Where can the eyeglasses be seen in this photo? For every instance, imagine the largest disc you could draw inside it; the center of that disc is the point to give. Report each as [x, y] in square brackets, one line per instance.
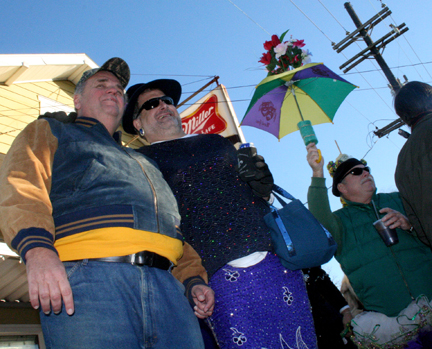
[357, 171]
[154, 103]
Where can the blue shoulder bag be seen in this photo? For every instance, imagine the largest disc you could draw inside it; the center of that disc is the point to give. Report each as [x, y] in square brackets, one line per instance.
[299, 240]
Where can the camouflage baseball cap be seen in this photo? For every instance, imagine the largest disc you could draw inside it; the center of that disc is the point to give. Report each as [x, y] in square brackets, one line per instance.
[115, 65]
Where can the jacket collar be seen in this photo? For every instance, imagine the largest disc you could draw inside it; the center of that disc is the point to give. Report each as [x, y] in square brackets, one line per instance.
[90, 122]
[359, 204]
[423, 119]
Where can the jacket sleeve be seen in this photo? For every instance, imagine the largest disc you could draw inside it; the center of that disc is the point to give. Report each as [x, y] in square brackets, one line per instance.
[319, 205]
[190, 270]
[26, 218]
[418, 231]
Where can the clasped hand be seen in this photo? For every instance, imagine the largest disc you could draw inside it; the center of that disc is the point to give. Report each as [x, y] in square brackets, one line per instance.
[255, 172]
[394, 219]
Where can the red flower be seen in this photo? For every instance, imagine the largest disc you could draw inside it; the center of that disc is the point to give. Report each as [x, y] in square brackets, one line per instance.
[298, 43]
[266, 58]
[275, 40]
[268, 45]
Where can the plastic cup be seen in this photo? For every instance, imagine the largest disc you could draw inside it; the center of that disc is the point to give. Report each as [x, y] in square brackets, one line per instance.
[388, 235]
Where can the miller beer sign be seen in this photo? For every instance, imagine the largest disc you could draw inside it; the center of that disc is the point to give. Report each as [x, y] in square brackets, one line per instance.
[206, 119]
[213, 113]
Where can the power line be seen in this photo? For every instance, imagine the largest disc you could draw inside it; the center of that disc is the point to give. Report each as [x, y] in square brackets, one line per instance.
[331, 14]
[347, 33]
[406, 55]
[249, 17]
[397, 67]
[342, 53]
[345, 74]
[358, 111]
[298, 8]
[370, 148]
[199, 76]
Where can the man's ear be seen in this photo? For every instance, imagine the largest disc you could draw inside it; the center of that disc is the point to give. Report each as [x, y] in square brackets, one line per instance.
[77, 102]
[137, 123]
[342, 188]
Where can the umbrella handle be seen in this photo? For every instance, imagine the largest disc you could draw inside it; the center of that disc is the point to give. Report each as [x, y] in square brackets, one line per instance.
[307, 132]
[319, 157]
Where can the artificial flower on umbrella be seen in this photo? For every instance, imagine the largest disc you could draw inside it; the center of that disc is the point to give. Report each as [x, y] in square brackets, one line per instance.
[294, 88]
[281, 54]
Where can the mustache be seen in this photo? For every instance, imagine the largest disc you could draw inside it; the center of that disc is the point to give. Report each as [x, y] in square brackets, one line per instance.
[369, 178]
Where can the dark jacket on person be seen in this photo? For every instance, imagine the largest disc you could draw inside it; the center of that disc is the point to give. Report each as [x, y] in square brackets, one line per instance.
[414, 178]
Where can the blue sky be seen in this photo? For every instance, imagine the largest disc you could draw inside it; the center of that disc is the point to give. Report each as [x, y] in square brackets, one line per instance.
[192, 41]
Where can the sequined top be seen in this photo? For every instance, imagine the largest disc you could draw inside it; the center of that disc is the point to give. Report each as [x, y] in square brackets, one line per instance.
[221, 218]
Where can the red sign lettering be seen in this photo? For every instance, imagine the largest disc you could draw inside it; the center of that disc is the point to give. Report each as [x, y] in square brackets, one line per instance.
[206, 119]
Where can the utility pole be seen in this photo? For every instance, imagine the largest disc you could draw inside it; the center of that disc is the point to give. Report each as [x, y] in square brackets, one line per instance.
[372, 51]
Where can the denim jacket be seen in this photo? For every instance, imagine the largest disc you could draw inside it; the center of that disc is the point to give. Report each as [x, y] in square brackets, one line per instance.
[80, 180]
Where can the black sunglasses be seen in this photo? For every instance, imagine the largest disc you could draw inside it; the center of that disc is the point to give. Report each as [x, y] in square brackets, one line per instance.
[154, 103]
[357, 171]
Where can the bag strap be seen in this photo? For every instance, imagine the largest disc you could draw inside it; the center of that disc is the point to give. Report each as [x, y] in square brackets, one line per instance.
[289, 244]
[287, 238]
[278, 190]
[282, 192]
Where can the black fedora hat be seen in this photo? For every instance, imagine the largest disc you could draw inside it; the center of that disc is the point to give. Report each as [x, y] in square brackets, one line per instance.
[170, 87]
[341, 171]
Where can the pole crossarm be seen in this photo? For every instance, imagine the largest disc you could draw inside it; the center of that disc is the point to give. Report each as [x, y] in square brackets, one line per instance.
[380, 44]
[356, 33]
[373, 51]
[389, 128]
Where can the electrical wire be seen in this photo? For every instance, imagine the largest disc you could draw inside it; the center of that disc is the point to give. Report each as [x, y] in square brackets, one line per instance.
[358, 111]
[397, 67]
[186, 75]
[370, 148]
[248, 17]
[346, 31]
[380, 71]
[406, 55]
[331, 14]
[298, 8]
[358, 72]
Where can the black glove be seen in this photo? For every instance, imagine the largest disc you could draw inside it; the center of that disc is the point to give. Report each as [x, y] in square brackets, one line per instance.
[60, 116]
[253, 170]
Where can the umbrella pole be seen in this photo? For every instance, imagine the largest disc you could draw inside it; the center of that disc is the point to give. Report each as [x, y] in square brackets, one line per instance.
[306, 129]
[298, 107]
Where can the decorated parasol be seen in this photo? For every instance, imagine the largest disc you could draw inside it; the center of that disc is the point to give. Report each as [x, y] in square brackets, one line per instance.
[291, 100]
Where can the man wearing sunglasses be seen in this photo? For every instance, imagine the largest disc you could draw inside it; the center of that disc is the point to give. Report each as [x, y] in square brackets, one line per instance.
[385, 279]
[258, 302]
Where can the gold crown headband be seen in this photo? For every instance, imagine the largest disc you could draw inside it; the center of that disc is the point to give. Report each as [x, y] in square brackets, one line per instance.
[332, 166]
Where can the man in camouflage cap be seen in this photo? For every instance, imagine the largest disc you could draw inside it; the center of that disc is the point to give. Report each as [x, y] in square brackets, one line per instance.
[97, 227]
[116, 66]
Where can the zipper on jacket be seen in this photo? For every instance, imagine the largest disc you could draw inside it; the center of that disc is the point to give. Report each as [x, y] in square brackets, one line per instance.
[151, 186]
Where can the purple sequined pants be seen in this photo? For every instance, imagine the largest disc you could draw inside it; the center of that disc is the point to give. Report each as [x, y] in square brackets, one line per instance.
[262, 306]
